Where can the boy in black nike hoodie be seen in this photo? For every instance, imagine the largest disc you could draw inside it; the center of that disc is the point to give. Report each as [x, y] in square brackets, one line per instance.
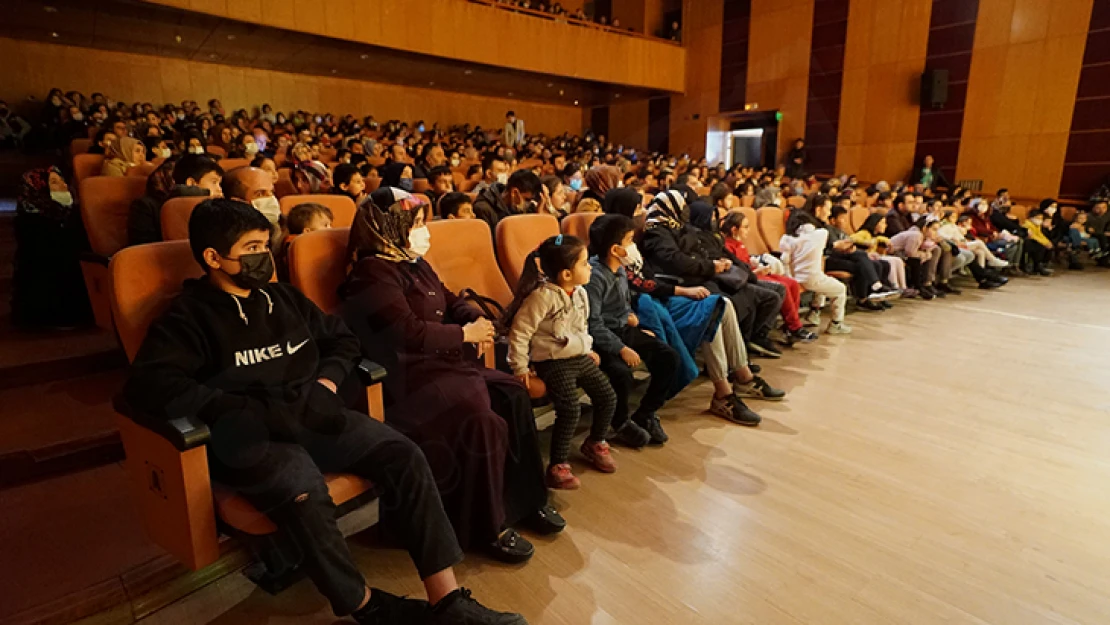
[260, 364]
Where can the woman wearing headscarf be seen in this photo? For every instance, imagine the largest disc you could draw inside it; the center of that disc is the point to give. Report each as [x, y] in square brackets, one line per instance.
[397, 175]
[474, 424]
[308, 174]
[122, 155]
[48, 289]
[599, 180]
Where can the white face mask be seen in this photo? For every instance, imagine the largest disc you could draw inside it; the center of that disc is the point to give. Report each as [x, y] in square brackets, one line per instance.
[65, 198]
[420, 240]
[268, 206]
[165, 153]
[251, 148]
[632, 258]
[78, 117]
[503, 178]
[455, 162]
[196, 149]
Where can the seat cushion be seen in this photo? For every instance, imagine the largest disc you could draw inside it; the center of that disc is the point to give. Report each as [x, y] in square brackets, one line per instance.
[240, 514]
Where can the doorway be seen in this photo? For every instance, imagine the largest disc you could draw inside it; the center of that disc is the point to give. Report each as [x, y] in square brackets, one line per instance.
[745, 147]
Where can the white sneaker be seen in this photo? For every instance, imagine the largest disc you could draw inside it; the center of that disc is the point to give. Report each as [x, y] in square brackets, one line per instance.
[998, 264]
[839, 328]
[882, 296]
[813, 318]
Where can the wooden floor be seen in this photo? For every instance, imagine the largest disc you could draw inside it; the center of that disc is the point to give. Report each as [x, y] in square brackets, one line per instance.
[947, 463]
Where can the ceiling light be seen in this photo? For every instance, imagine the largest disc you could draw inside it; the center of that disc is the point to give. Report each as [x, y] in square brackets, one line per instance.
[364, 56]
[231, 37]
[50, 9]
[213, 55]
[54, 35]
[469, 72]
[560, 92]
[177, 38]
[431, 83]
[550, 85]
[510, 94]
[335, 71]
[617, 96]
[576, 102]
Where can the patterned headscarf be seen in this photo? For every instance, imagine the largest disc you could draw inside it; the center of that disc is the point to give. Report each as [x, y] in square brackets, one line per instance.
[34, 196]
[382, 225]
[160, 183]
[666, 210]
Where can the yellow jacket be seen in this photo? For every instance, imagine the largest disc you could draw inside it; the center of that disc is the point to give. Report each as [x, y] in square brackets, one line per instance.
[864, 237]
[1036, 234]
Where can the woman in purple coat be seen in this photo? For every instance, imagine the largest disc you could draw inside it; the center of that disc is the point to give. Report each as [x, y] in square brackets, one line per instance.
[475, 425]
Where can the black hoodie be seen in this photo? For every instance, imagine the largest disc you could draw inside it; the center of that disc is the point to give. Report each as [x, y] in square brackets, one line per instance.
[212, 352]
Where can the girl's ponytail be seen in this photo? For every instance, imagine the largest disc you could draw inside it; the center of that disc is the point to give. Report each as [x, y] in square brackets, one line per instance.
[530, 280]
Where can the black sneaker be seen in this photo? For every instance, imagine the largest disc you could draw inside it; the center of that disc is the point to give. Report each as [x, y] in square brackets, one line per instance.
[386, 609]
[944, 287]
[651, 425]
[546, 521]
[802, 335]
[459, 608]
[926, 293]
[734, 409]
[758, 388]
[989, 284]
[630, 434]
[754, 368]
[866, 304]
[511, 548]
[886, 305]
[763, 346]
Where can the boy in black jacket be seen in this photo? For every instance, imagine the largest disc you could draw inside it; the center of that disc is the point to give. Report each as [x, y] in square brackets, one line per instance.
[260, 364]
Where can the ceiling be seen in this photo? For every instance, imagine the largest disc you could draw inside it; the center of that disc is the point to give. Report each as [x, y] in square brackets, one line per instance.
[142, 28]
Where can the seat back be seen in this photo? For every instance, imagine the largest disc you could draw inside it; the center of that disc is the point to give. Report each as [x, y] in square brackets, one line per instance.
[517, 237]
[175, 216]
[857, 216]
[1067, 213]
[420, 185]
[143, 170]
[216, 150]
[284, 187]
[105, 204]
[318, 265]
[342, 207]
[79, 146]
[754, 241]
[228, 164]
[86, 166]
[747, 201]
[462, 256]
[771, 226]
[578, 225]
[1020, 212]
[796, 201]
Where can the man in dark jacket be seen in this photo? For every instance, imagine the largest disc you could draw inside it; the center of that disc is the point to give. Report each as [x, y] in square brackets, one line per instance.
[193, 175]
[523, 193]
[260, 364]
[898, 218]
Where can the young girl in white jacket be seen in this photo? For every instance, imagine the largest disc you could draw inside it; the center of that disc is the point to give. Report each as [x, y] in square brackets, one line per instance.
[803, 250]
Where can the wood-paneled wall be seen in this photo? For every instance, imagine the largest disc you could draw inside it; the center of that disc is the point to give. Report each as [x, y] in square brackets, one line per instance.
[465, 31]
[883, 60]
[1021, 93]
[689, 113]
[628, 124]
[778, 62]
[33, 68]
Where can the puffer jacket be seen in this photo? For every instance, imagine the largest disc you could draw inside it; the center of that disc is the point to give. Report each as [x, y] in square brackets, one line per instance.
[550, 325]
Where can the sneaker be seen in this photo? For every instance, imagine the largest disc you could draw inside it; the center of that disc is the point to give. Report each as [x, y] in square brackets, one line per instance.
[758, 388]
[1045, 271]
[998, 264]
[886, 305]
[812, 318]
[763, 347]
[630, 434]
[386, 609]
[559, 476]
[927, 293]
[459, 608]
[546, 521]
[879, 296]
[734, 409]
[989, 284]
[839, 327]
[511, 548]
[653, 427]
[910, 294]
[944, 287]
[802, 335]
[598, 455]
[871, 305]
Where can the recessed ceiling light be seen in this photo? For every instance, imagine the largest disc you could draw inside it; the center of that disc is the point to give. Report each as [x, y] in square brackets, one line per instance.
[177, 38]
[54, 35]
[335, 71]
[469, 72]
[510, 94]
[50, 9]
[617, 96]
[560, 92]
[576, 102]
[364, 56]
[431, 83]
[550, 85]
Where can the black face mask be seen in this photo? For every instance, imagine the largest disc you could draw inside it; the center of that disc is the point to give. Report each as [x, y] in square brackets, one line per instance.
[255, 270]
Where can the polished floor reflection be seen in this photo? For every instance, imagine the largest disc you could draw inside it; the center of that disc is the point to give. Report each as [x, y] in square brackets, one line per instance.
[947, 463]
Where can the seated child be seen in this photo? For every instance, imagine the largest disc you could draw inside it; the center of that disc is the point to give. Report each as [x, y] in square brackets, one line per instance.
[550, 329]
[1080, 237]
[735, 228]
[455, 205]
[803, 248]
[275, 421]
[618, 338]
[870, 239]
[1038, 247]
[304, 218]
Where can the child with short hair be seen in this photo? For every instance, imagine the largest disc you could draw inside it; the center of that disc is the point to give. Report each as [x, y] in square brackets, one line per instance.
[803, 248]
[618, 338]
[304, 218]
[549, 320]
[1081, 238]
[455, 205]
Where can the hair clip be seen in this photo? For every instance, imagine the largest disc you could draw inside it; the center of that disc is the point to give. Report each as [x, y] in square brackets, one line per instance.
[559, 240]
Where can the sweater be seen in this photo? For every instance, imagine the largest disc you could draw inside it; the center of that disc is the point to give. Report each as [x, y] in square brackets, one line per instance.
[550, 325]
[610, 305]
[804, 253]
[212, 351]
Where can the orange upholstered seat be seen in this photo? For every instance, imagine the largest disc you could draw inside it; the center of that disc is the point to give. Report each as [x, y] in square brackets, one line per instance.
[318, 265]
[517, 237]
[342, 207]
[578, 225]
[462, 256]
[771, 226]
[175, 217]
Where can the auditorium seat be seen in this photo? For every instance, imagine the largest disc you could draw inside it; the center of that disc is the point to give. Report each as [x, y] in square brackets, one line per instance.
[228, 164]
[216, 150]
[1019, 212]
[142, 170]
[771, 227]
[458, 178]
[754, 241]
[284, 187]
[517, 237]
[578, 225]
[857, 215]
[105, 204]
[796, 201]
[372, 184]
[175, 217]
[462, 255]
[420, 185]
[79, 146]
[318, 265]
[86, 166]
[747, 201]
[180, 508]
[342, 207]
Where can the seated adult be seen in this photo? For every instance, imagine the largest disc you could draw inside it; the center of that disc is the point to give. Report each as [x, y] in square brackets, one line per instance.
[348, 181]
[599, 180]
[841, 255]
[397, 175]
[494, 171]
[253, 186]
[189, 176]
[1097, 223]
[275, 425]
[474, 424]
[122, 156]
[521, 193]
[431, 157]
[998, 241]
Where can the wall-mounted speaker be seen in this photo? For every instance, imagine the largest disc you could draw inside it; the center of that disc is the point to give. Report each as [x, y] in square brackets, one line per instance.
[934, 88]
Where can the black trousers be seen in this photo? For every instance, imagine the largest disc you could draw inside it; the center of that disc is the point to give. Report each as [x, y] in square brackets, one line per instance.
[524, 487]
[915, 272]
[281, 474]
[660, 360]
[865, 272]
[563, 377]
[756, 309]
[1036, 254]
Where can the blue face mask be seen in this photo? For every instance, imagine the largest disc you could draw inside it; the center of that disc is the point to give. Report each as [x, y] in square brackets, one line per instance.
[576, 184]
[406, 184]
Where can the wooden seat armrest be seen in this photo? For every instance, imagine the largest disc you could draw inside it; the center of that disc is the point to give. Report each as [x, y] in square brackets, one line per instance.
[183, 433]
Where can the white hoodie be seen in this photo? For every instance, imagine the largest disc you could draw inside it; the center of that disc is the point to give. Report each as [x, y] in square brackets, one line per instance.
[804, 254]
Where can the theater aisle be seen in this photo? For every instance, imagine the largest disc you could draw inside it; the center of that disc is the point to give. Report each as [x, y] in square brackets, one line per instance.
[946, 463]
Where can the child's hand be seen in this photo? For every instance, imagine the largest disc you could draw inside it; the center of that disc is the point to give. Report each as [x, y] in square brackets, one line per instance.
[630, 357]
[633, 320]
[762, 270]
[594, 357]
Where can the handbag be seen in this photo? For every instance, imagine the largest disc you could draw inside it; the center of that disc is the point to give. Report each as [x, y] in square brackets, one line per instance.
[495, 312]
